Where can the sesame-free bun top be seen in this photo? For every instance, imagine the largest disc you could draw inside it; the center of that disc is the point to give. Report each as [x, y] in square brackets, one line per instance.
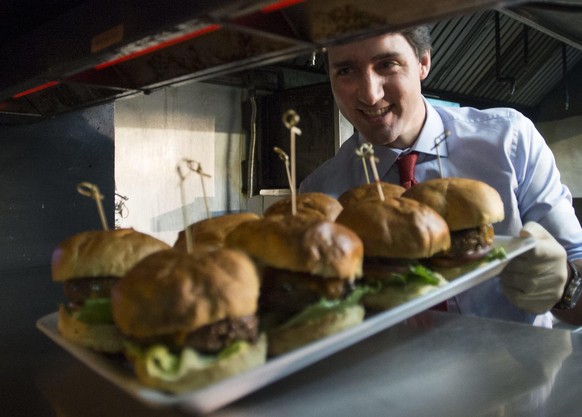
[464, 203]
[213, 230]
[370, 192]
[97, 253]
[397, 228]
[172, 292]
[316, 205]
[301, 244]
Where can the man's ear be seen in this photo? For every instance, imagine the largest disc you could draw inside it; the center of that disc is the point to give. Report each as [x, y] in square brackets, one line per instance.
[424, 64]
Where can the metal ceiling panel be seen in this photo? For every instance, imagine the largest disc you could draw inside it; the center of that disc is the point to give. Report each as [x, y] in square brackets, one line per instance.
[89, 46]
[518, 71]
[560, 19]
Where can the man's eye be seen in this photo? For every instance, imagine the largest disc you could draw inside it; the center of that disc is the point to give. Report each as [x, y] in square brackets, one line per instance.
[343, 71]
[387, 64]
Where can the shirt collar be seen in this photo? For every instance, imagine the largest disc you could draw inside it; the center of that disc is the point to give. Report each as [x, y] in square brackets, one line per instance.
[433, 127]
[432, 131]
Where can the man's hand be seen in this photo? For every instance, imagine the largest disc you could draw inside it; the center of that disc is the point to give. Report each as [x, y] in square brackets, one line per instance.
[535, 280]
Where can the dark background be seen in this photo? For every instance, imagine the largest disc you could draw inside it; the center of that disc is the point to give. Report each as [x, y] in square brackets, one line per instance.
[40, 167]
[316, 144]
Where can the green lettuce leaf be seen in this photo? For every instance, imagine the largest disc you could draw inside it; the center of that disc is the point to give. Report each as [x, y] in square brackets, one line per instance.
[497, 252]
[418, 274]
[162, 363]
[96, 311]
[325, 306]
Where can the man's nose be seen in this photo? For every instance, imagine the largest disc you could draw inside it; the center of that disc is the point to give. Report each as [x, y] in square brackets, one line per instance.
[371, 88]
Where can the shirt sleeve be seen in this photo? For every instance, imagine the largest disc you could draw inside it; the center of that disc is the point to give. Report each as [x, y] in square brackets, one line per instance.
[540, 193]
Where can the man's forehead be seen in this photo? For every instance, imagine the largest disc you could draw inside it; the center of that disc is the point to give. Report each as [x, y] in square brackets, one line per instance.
[367, 48]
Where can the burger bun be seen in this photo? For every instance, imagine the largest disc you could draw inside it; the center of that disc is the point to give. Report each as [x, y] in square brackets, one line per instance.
[464, 203]
[172, 292]
[397, 228]
[98, 253]
[392, 296]
[313, 205]
[95, 254]
[287, 338]
[213, 231]
[370, 192]
[193, 373]
[301, 244]
[99, 337]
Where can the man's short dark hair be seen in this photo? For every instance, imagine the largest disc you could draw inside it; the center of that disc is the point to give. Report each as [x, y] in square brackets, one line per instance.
[417, 36]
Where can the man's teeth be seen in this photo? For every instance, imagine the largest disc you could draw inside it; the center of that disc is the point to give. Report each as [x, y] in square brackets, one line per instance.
[378, 112]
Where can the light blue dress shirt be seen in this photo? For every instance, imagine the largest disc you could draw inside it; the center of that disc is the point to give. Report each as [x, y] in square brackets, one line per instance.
[500, 147]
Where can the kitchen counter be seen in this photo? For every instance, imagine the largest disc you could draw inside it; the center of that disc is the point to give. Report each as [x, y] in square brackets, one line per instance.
[436, 364]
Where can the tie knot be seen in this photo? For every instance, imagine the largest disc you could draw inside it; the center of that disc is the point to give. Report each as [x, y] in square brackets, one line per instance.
[406, 164]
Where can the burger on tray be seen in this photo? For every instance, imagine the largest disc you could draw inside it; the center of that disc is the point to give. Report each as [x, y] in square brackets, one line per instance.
[88, 264]
[190, 318]
[398, 234]
[470, 208]
[309, 268]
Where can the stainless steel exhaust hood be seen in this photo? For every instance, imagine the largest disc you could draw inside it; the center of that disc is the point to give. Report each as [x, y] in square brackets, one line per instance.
[102, 50]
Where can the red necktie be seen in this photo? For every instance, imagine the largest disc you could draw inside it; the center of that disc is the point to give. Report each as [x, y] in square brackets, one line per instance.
[406, 164]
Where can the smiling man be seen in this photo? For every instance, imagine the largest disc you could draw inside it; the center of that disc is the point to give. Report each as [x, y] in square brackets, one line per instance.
[377, 85]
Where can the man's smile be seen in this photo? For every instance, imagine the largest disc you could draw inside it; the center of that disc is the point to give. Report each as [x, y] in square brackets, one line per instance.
[376, 112]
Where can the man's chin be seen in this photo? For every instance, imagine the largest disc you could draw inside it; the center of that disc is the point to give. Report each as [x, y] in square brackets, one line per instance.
[380, 138]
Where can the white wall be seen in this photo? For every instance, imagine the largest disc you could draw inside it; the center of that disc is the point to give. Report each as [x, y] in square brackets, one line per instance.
[565, 139]
[153, 133]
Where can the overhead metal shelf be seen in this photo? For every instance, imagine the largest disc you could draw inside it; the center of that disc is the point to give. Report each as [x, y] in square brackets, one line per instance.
[104, 50]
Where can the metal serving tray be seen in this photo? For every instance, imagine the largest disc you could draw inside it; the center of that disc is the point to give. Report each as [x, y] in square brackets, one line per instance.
[224, 392]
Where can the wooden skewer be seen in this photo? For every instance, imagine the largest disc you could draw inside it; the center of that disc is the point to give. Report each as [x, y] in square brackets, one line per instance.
[187, 230]
[367, 151]
[195, 167]
[437, 141]
[362, 152]
[290, 120]
[91, 190]
[285, 158]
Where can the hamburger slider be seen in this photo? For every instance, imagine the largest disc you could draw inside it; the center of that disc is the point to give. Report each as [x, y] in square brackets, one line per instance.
[213, 231]
[190, 319]
[309, 268]
[316, 205]
[88, 264]
[370, 192]
[470, 207]
[398, 234]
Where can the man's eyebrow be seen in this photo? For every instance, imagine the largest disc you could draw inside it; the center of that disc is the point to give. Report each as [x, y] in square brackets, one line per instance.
[344, 63]
[385, 55]
[375, 58]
